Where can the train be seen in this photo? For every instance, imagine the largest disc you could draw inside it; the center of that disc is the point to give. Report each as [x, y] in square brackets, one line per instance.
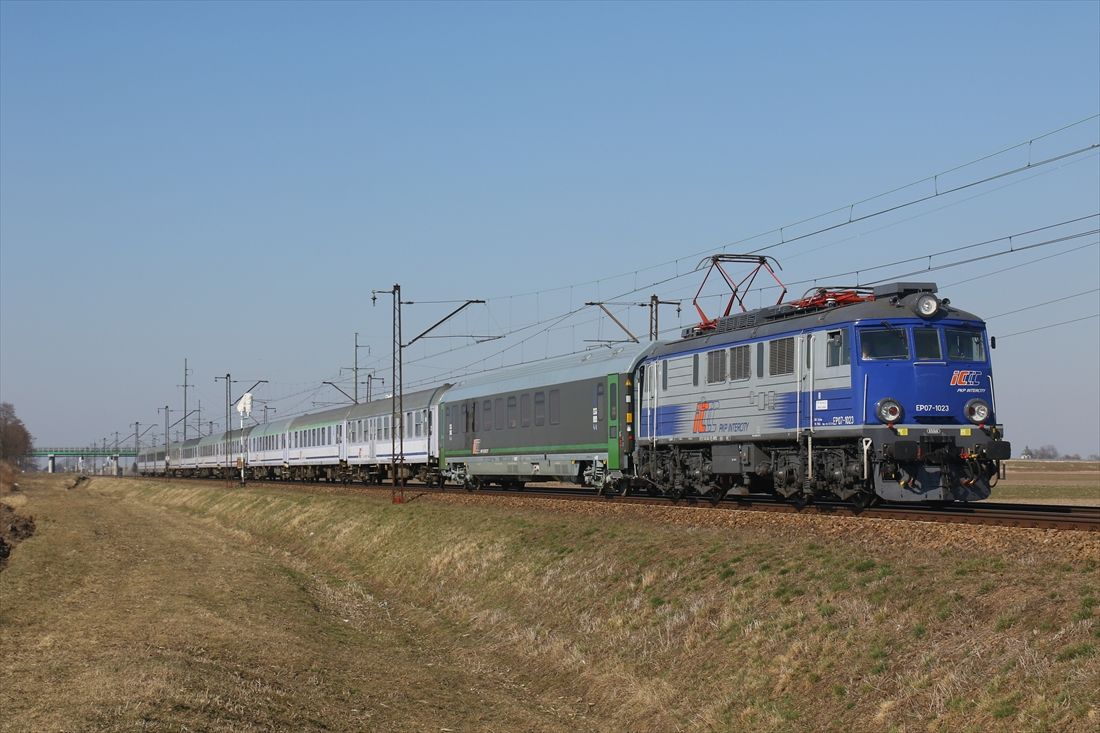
[852, 394]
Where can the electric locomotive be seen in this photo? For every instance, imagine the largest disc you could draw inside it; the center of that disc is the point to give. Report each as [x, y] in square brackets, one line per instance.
[849, 393]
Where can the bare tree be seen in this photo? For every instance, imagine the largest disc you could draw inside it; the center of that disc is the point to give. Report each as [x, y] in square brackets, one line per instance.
[15, 440]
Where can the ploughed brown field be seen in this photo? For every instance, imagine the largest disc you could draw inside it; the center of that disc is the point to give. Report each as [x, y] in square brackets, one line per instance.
[168, 606]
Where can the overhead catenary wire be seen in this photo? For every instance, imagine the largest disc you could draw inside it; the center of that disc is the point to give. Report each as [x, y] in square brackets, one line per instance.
[1039, 305]
[1050, 325]
[944, 266]
[850, 207]
[1023, 264]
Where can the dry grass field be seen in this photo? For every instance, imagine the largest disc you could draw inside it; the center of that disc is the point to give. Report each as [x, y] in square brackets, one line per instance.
[1059, 482]
[152, 605]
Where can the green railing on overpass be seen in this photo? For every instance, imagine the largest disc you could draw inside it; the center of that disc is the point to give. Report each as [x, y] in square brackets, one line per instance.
[83, 452]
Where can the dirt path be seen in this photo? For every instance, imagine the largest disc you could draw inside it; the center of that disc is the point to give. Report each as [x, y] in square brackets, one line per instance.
[118, 615]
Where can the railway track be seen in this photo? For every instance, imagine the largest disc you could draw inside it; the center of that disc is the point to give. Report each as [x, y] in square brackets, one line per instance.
[1035, 516]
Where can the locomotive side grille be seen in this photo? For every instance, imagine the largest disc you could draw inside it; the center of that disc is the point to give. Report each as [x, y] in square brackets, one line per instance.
[781, 356]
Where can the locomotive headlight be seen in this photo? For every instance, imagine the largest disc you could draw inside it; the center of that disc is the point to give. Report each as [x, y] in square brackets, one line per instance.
[977, 411]
[927, 305]
[889, 411]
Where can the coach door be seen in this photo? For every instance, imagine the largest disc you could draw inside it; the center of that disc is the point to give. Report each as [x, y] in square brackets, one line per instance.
[614, 442]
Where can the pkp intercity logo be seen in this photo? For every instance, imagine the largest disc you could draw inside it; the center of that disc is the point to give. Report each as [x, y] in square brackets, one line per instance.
[966, 378]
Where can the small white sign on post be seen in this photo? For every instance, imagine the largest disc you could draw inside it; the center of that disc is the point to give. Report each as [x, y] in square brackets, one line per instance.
[244, 404]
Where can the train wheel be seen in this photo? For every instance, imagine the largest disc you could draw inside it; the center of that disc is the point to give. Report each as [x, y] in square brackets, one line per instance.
[864, 500]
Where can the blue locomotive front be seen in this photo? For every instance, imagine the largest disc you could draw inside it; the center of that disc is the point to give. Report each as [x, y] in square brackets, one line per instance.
[928, 400]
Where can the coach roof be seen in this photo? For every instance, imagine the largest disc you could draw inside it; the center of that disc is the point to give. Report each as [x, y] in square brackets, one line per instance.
[574, 367]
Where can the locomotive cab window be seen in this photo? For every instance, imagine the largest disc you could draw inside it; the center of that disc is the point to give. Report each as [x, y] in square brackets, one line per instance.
[884, 344]
[964, 345]
[926, 343]
[836, 349]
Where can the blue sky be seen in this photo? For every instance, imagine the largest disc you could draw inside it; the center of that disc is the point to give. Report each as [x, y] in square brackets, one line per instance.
[228, 182]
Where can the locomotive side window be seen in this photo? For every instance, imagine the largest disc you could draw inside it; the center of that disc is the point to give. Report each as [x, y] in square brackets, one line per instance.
[695, 370]
[836, 349]
[716, 366]
[760, 360]
[740, 363]
[885, 344]
[781, 357]
[926, 342]
[964, 345]
[664, 375]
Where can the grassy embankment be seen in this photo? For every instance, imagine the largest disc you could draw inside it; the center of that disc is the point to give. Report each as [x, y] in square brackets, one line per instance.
[142, 603]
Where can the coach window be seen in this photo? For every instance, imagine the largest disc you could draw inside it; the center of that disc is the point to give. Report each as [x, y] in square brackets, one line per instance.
[540, 409]
[781, 357]
[499, 417]
[555, 406]
[926, 343]
[716, 366]
[599, 403]
[837, 352]
[513, 412]
[487, 415]
[613, 401]
[964, 345]
[884, 344]
[525, 410]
